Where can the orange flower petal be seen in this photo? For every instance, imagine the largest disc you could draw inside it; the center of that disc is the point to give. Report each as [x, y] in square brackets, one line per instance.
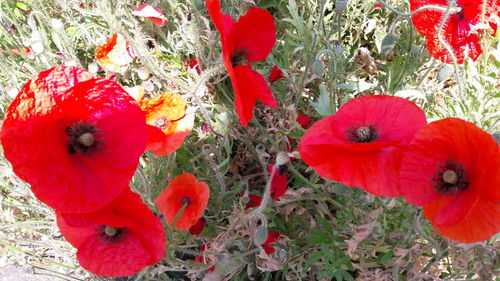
[167, 112]
[116, 54]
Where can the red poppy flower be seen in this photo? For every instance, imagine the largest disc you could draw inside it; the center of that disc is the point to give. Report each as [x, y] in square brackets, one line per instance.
[204, 260]
[303, 120]
[278, 182]
[275, 74]
[452, 169]
[363, 143]
[457, 30]
[193, 64]
[118, 240]
[75, 139]
[248, 40]
[153, 14]
[272, 237]
[197, 228]
[253, 201]
[116, 54]
[184, 190]
[169, 123]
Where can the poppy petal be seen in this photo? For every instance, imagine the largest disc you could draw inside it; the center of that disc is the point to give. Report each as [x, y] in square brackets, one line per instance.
[153, 14]
[254, 32]
[276, 74]
[251, 85]
[128, 256]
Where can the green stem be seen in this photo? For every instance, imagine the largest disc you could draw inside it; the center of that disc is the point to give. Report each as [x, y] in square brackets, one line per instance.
[35, 256]
[448, 48]
[206, 75]
[426, 7]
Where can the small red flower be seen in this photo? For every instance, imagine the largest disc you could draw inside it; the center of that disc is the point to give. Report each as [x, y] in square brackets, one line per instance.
[193, 64]
[184, 190]
[278, 182]
[304, 120]
[153, 14]
[275, 74]
[197, 228]
[363, 143]
[204, 260]
[457, 29]
[118, 240]
[452, 169]
[272, 237]
[248, 40]
[75, 139]
[253, 201]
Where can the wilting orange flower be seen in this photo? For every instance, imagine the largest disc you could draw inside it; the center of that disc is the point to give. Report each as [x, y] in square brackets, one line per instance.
[21, 51]
[184, 190]
[116, 54]
[168, 120]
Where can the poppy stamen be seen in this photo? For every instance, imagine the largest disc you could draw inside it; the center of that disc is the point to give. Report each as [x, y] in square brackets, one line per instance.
[450, 178]
[82, 138]
[110, 234]
[162, 122]
[86, 139]
[239, 57]
[362, 134]
[185, 201]
[110, 231]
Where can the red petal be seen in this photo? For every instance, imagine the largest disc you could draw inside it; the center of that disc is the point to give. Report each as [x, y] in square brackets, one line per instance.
[113, 259]
[253, 201]
[248, 86]
[275, 74]
[479, 224]
[254, 32]
[153, 14]
[278, 182]
[197, 228]
[303, 120]
[272, 237]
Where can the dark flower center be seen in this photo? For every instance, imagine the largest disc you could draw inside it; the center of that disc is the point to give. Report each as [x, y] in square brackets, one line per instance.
[450, 178]
[162, 122]
[239, 57]
[185, 200]
[110, 234]
[360, 134]
[281, 169]
[82, 138]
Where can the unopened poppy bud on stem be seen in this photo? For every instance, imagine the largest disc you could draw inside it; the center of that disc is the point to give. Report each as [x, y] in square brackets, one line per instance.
[282, 158]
